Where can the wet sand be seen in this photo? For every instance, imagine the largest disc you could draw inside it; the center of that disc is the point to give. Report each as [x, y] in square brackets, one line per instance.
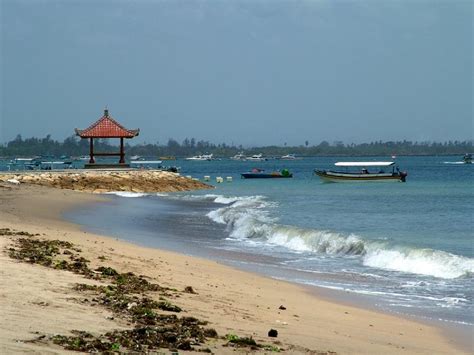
[38, 300]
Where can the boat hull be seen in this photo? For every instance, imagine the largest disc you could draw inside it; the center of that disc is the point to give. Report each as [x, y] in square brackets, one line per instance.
[330, 176]
[264, 176]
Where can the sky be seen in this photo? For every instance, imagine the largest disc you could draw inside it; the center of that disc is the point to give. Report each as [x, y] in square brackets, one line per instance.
[244, 72]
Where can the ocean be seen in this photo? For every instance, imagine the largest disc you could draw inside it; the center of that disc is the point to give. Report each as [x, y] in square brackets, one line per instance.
[404, 248]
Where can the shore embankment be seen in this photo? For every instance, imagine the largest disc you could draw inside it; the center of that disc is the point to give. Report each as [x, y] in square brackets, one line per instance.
[99, 181]
[41, 303]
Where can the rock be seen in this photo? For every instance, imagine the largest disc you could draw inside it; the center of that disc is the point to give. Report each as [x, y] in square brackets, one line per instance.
[273, 333]
[282, 307]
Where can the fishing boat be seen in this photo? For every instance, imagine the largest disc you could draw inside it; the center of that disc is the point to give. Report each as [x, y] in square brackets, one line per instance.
[261, 174]
[360, 172]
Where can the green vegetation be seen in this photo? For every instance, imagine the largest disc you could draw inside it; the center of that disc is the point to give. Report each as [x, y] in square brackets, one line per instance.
[73, 146]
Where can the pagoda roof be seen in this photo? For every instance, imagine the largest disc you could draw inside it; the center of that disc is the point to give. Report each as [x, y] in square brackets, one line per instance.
[106, 127]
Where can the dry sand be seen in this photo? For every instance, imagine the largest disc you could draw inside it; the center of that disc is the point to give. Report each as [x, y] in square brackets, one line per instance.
[38, 300]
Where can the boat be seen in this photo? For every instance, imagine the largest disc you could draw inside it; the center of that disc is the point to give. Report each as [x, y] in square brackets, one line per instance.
[289, 157]
[467, 158]
[239, 156]
[203, 157]
[261, 174]
[256, 157]
[362, 173]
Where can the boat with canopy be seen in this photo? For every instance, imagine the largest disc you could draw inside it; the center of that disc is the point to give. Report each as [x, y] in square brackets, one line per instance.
[363, 171]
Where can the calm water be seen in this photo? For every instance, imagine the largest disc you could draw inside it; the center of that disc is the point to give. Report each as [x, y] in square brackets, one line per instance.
[407, 246]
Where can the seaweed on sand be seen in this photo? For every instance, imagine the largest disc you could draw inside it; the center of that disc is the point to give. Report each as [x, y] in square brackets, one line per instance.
[126, 297]
[11, 232]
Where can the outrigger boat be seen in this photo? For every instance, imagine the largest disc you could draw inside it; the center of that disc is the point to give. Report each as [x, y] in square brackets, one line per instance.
[363, 174]
[261, 174]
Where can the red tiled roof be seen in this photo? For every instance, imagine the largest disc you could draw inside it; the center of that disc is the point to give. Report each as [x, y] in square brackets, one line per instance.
[107, 127]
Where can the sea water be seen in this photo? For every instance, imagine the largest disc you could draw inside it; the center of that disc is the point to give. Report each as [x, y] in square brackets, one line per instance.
[407, 247]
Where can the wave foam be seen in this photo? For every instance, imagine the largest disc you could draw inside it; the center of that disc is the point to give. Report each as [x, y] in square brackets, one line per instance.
[420, 261]
[248, 218]
[127, 194]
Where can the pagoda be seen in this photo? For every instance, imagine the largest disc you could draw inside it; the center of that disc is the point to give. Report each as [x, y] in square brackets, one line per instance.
[106, 127]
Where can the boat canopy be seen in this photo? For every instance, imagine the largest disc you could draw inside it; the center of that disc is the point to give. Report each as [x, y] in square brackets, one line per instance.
[364, 163]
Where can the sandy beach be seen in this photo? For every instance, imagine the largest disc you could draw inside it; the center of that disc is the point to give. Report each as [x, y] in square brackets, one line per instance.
[39, 302]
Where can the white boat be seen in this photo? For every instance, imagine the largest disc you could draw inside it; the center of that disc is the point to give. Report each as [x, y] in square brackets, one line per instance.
[256, 157]
[135, 157]
[203, 157]
[239, 156]
[289, 157]
[361, 173]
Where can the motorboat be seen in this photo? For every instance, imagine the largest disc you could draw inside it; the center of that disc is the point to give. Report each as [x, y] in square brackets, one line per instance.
[256, 157]
[239, 156]
[261, 174]
[289, 157]
[359, 171]
[203, 157]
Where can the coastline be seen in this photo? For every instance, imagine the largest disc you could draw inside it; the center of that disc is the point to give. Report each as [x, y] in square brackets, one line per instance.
[232, 301]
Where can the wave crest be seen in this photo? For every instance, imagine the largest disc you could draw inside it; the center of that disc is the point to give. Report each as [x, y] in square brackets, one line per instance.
[249, 218]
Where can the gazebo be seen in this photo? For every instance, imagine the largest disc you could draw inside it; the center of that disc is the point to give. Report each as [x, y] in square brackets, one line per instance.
[106, 127]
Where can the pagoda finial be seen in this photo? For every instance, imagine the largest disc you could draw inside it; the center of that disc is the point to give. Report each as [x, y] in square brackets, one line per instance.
[106, 111]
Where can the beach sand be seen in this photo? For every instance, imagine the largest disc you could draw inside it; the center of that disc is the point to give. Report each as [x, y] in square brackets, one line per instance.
[36, 300]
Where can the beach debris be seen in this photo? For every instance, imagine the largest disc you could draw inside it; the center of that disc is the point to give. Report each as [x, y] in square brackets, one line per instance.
[273, 333]
[235, 340]
[13, 181]
[189, 289]
[282, 307]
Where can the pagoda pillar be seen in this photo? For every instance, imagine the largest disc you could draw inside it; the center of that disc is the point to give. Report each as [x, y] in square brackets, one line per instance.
[122, 154]
[91, 151]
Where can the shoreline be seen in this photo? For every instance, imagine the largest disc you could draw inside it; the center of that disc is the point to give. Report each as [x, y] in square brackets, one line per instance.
[459, 331]
[229, 298]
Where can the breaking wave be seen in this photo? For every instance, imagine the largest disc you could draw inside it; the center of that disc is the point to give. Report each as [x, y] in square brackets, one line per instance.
[249, 218]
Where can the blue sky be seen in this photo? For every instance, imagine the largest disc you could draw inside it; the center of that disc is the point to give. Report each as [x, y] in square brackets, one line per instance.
[248, 72]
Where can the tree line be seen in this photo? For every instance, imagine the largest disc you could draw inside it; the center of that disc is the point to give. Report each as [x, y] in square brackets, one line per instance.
[74, 146]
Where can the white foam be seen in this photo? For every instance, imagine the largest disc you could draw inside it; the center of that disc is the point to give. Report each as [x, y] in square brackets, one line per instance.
[127, 193]
[248, 218]
[420, 261]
